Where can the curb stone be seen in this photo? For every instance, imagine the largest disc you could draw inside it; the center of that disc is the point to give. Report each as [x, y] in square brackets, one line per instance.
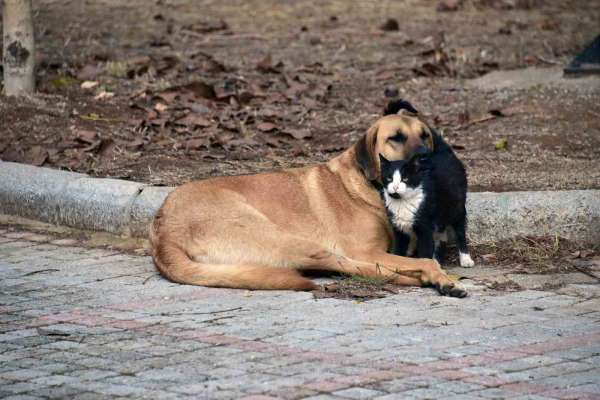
[77, 200]
[126, 208]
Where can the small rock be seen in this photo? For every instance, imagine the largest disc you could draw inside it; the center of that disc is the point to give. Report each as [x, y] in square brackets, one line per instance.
[390, 25]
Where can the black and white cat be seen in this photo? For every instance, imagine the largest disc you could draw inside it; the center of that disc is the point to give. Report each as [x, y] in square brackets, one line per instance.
[424, 196]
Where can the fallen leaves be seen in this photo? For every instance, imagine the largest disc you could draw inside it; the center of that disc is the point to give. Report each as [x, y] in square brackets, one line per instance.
[36, 156]
[87, 85]
[267, 65]
[501, 144]
[448, 5]
[193, 120]
[266, 127]
[104, 95]
[298, 134]
[356, 289]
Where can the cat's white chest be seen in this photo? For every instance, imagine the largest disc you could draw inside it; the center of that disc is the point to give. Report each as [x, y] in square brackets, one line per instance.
[404, 211]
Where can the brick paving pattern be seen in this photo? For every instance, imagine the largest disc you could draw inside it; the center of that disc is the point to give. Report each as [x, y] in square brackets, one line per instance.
[91, 324]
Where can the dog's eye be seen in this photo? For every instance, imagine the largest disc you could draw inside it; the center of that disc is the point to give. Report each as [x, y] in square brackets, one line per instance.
[424, 135]
[399, 137]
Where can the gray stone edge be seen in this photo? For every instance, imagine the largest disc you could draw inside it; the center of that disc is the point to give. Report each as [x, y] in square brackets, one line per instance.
[126, 208]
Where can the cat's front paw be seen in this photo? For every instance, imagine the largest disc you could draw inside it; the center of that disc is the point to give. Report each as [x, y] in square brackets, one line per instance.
[465, 260]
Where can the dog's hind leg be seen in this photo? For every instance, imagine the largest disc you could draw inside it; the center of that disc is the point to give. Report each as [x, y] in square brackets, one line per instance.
[464, 257]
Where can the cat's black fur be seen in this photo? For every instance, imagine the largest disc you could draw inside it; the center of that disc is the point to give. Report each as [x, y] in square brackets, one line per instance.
[416, 175]
[445, 197]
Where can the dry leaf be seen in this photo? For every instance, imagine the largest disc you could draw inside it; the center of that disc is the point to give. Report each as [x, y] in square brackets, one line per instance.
[448, 5]
[161, 107]
[501, 144]
[104, 95]
[36, 156]
[266, 65]
[197, 143]
[194, 120]
[266, 126]
[298, 133]
[491, 257]
[86, 136]
[88, 73]
[89, 84]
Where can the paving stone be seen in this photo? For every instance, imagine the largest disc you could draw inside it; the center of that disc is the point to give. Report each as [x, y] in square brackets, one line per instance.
[23, 374]
[94, 330]
[358, 393]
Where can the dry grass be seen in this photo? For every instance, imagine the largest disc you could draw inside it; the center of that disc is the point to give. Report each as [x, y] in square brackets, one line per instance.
[549, 254]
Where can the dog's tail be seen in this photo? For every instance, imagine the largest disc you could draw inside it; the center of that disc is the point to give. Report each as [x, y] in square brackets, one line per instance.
[174, 263]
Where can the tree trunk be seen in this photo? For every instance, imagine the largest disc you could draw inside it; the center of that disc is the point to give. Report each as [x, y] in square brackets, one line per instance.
[19, 49]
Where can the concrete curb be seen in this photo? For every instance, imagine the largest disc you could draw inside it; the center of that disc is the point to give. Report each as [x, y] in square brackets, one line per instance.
[126, 208]
[77, 200]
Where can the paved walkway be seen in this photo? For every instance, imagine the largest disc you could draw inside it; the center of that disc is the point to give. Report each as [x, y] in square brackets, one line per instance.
[88, 323]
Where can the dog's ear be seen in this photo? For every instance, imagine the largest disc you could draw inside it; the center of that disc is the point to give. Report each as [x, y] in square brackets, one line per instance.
[364, 151]
[395, 106]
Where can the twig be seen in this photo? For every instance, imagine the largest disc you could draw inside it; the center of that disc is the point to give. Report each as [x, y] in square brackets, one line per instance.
[584, 271]
[217, 319]
[478, 121]
[151, 276]
[41, 271]
[208, 38]
[547, 61]
[202, 313]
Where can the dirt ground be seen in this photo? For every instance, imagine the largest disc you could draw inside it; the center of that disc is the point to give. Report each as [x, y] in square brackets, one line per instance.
[166, 91]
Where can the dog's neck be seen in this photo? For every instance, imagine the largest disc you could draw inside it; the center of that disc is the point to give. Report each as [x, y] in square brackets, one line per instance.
[354, 180]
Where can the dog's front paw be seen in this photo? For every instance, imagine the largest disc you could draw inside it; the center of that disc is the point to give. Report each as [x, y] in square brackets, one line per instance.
[452, 289]
[465, 260]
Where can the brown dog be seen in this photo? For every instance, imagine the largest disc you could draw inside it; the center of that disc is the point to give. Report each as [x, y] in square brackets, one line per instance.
[258, 231]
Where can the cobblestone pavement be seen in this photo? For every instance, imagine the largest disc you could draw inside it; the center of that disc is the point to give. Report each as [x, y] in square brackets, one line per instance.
[92, 323]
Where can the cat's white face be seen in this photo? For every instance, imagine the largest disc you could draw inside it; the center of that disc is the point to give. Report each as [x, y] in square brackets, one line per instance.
[396, 188]
[399, 189]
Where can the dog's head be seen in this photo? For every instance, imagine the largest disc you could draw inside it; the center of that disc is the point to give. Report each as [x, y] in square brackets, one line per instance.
[396, 137]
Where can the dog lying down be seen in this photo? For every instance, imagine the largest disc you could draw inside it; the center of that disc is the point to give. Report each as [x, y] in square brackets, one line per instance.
[261, 231]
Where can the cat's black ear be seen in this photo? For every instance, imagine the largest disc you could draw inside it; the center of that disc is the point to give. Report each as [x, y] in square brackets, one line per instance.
[394, 106]
[423, 162]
